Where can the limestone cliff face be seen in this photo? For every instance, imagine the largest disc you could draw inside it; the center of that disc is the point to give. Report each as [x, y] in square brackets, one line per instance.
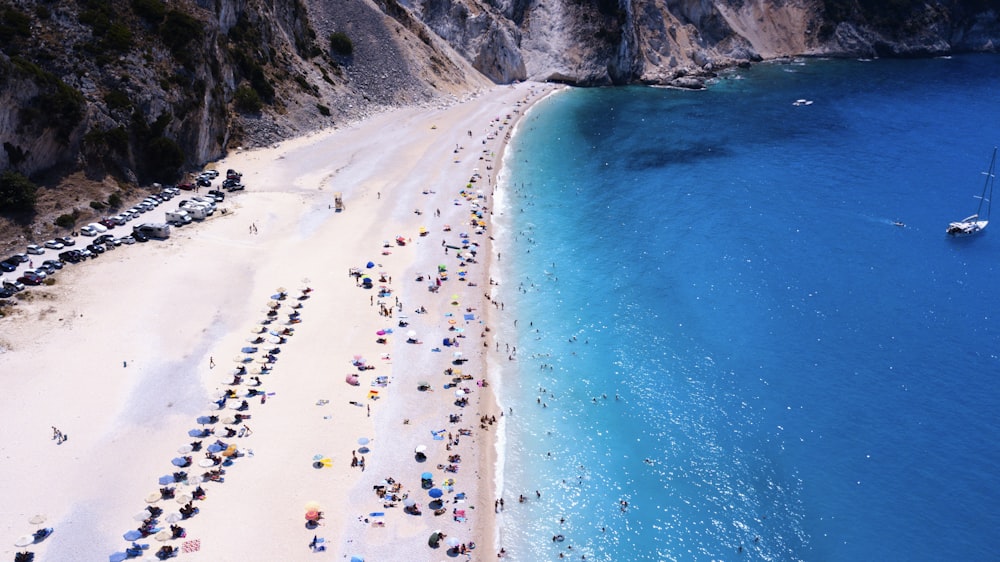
[142, 89]
[668, 41]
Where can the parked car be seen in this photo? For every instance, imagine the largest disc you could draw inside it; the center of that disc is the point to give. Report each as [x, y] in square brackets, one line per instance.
[104, 239]
[88, 231]
[85, 254]
[48, 269]
[18, 258]
[211, 174]
[97, 249]
[67, 241]
[54, 244]
[139, 237]
[100, 228]
[8, 266]
[6, 293]
[186, 186]
[203, 182]
[55, 264]
[219, 196]
[128, 240]
[39, 272]
[15, 286]
[71, 256]
[108, 222]
[35, 249]
[30, 278]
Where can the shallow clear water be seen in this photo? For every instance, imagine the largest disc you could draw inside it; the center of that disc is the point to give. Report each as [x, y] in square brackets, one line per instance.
[731, 334]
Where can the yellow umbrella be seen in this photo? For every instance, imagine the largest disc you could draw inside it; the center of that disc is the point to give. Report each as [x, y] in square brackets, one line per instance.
[313, 506]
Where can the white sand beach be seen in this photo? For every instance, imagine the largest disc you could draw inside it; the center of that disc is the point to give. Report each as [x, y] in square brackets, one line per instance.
[124, 353]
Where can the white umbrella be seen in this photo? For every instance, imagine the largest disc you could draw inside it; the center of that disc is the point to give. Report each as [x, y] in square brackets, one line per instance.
[460, 393]
[453, 542]
[38, 519]
[184, 449]
[24, 540]
[420, 449]
[141, 516]
[411, 334]
[172, 517]
[164, 535]
[154, 497]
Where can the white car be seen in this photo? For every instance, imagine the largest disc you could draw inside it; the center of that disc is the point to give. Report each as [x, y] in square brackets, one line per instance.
[54, 245]
[100, 228]
[88, 230]
[35, 249]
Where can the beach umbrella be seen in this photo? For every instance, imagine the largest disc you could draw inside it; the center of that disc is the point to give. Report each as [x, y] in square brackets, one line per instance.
[460, 393]
[216, 447]
[312, 505]
[411, 334]
[281, 290]
[357, 559]
[183, 499]
[184, 449]
[426, 476]
[274, 304]
[370, 264]
[164, 535]
[313, 515]
[154, 497]
[166, 479]
[172, 517]
[435, 493]
[380, 333]
[249, 349]
[132, 535]
[141, 516]
[409, 502]
[453, 542]
[363, 441]
[206, 463]
[352, 380]
[25, 540]
[207, 419]
[38, 519]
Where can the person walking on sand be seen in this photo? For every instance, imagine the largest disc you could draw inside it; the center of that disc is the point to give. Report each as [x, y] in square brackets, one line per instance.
[211, 362]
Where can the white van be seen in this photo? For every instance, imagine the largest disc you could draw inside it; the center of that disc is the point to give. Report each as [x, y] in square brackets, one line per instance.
[196, 210]
[100, 228]
[178, 217]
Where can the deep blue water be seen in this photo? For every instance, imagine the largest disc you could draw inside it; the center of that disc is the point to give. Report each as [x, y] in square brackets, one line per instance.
[731, 334]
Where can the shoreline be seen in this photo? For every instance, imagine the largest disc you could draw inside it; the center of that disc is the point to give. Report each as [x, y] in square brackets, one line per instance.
[157, 351]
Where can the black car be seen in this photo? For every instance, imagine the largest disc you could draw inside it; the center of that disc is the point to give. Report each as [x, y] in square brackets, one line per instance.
[96, 248]
[217, 195]
[7, 266]
[6, 293]
[204, 182]
[55, 264]
[139, 237]
[71, 256]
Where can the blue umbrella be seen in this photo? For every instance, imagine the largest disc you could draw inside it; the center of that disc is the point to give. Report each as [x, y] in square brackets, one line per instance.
[435, 493]
[370, 265]
[132, 535]
[215, 448]
[427, 476]
[206, 419]
[362, 441]
[166, 479]
[180, 461]
[357, 559]
[249, 349]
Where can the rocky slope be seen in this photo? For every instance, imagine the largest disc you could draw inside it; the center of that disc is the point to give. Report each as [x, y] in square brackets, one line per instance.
[99, 96]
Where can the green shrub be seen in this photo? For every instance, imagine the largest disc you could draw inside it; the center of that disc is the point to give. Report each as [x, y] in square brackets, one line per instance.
[323, 110]
[17, 193]
[96, 205]
[163, 159]
[115, 200]
[341, 44]
[177, 31]
[67, 220]
[247, 100]
[117, 99]
[150, 10]
[57, 105]
[118, 38]
[13, 24]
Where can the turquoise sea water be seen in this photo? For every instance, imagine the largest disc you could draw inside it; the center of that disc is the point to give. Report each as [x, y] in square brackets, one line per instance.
[719, 323]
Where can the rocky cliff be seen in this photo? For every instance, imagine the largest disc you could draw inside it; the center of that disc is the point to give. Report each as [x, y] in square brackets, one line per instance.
[118, 93]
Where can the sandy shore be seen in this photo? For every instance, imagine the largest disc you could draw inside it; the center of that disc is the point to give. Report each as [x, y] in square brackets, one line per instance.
[125, 353]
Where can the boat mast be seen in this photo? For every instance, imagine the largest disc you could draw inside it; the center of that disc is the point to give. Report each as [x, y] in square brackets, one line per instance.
[988, 188]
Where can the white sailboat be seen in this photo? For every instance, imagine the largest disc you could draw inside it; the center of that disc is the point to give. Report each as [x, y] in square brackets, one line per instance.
[975, 224]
